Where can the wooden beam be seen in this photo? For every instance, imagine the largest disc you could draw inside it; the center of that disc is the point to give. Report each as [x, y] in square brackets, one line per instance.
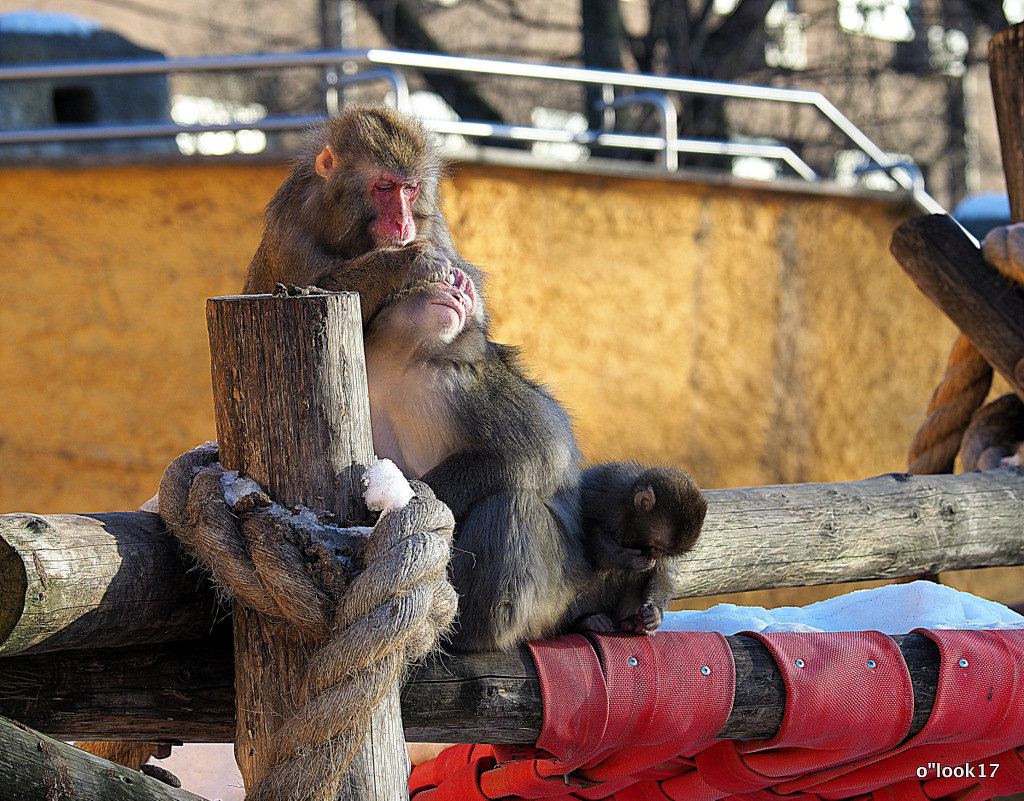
[34, 766]
[74, 581]
[754, 538]
[292, 409]
[1006, 70]
[168, 691]
[948, 268]
[493, 698]
[885, 527]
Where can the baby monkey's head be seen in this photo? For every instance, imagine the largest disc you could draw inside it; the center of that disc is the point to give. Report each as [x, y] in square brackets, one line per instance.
[663, 515]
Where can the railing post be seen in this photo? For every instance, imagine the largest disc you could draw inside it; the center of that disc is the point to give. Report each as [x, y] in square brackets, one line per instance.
[289, 385]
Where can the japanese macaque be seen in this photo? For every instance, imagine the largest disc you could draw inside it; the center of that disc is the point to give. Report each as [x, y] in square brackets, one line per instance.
[134, 755]
[359, 212]
[633, 518]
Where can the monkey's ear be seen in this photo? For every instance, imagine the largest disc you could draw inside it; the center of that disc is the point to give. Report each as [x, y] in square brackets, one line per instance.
[645, 499]
[326, 162]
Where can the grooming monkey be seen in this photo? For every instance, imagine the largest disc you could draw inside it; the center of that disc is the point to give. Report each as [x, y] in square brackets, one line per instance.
[359, 212]
[633, 518]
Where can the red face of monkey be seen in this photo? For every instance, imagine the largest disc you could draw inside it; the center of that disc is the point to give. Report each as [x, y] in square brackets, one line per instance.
[393, 197]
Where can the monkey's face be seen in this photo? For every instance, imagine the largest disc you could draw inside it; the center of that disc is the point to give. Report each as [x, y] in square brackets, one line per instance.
[392, 198]
[430, 316]
[664, 517]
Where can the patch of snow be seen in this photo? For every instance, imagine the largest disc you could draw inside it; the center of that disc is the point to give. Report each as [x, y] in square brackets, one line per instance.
[386, 487]
[236, 488]
[894, 609]
[41, 22]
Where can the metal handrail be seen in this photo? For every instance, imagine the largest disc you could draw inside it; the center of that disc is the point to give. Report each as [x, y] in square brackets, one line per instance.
[446, 63]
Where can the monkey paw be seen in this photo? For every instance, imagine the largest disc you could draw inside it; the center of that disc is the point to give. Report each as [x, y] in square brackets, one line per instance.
[646, 620]
[432, 265]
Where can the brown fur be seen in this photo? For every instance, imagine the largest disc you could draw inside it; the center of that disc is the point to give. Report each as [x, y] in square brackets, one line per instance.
[633, 518]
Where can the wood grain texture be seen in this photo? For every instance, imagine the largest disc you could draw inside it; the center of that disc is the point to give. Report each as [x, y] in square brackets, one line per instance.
[492, 698]
[36, 767]
[292, 409]
[794, 535]
[949, 269]
[182, 691]
[76, 581]
[1006, 71]
[754, 538]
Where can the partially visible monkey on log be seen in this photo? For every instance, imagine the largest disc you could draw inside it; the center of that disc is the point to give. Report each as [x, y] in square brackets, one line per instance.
[359, 212]
[633, 518]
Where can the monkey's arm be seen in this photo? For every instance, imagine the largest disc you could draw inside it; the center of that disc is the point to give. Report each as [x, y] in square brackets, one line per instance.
[381, 273]
[657, 593]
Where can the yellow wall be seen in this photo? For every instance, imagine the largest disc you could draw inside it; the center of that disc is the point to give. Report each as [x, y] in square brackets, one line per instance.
[749, 335]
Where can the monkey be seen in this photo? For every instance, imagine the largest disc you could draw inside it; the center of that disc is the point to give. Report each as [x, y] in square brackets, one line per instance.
[456, 410]
[633, 518]
[134, 755]
[360, 212]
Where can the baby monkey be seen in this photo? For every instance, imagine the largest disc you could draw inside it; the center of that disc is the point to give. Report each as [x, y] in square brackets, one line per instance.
[633, 518]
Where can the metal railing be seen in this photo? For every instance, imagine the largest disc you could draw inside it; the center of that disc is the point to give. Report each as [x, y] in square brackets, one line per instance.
[386, 65]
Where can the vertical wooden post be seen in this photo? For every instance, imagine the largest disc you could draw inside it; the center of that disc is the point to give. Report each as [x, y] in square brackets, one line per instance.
[1006, 71]
[289, 385]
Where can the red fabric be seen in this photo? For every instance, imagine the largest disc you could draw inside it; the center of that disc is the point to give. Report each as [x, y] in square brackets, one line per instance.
[645, 731]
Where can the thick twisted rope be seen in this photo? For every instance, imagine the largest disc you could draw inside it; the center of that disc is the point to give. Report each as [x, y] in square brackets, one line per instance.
[962, 390]
[391, 613]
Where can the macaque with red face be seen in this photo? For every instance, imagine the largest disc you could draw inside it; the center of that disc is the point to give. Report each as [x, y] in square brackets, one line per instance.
[359, 212]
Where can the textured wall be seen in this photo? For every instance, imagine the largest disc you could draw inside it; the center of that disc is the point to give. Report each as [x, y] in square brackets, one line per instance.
[751, 336]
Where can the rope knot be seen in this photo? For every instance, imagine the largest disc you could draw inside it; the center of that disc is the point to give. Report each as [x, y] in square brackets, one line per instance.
[372, 599]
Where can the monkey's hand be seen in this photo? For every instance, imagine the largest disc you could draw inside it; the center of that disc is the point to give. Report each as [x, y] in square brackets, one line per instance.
[425, 263]
[646, 620]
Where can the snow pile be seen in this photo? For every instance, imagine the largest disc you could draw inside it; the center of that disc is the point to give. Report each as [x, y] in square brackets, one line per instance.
[894, 609]
[47, 24]
[386, 487]
[237, 487]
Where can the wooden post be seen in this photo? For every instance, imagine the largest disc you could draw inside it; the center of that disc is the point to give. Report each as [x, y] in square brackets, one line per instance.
[289, 385]
[985, 305]
[1006, 71]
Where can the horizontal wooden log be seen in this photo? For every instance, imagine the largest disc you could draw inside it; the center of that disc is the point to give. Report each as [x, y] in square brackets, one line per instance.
[117, 578]
[34, 766]
[74, 581]
[949, 268]
[885, 527]
[131, 694]
[167, 691]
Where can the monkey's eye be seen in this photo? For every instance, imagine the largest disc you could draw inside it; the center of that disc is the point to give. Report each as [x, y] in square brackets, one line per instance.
[411, 190]
[384, 186]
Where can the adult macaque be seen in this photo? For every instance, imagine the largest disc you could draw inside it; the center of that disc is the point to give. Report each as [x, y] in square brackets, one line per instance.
[359, 212]
[633, 518]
